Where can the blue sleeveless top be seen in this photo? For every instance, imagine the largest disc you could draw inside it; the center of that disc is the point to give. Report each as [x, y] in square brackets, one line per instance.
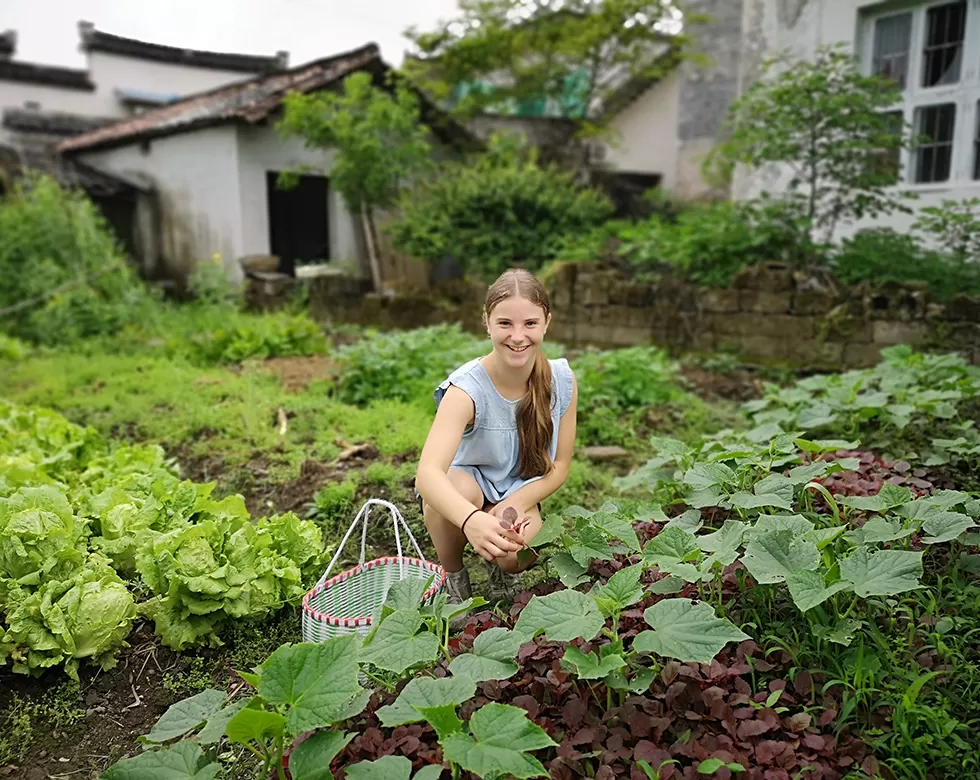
[489, 450]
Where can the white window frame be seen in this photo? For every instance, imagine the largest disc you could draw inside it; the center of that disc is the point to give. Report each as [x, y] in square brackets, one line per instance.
[965, 95]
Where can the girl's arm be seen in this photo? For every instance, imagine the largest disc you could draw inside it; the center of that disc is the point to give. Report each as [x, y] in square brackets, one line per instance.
[535, 492]
[455, 412]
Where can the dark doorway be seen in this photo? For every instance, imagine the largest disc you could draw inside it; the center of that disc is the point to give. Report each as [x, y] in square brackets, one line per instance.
[298, 221]
[627, 192]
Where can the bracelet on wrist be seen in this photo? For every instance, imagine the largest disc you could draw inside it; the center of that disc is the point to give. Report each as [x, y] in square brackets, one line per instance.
[463, 526]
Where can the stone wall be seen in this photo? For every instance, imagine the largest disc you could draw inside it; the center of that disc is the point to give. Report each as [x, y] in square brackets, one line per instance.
[771, 315]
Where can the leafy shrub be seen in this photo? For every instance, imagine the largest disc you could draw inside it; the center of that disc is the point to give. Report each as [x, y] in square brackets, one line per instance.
[617, 383]
[497, 212]
[253, 336]
[880, 255]
[56, 249]
[208, 283]
[710, 243]
[12, 349]
[955, 226]
[403, 365]
[911, 406]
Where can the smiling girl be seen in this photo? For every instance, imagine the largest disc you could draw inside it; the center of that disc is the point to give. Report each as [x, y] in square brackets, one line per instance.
[501, 441]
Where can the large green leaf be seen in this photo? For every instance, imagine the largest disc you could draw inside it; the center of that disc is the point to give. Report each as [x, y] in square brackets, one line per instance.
[589, 543]
[744, 500]
[946, 526]
[551, 530]
[562, 616]
[214, 729]
[591, 666]
[801, 475]
[617, 527]
[766, 524]
[877, 529]
[889, 497]
[443, 719]
[622, 590]
[492, 657]
[187, 715]
[569, 571]
[685, 631]
[775, 556]
[729, 537]
[317, 681]
[255, 725]
[689, 521]
[883, 572]
[183, 761]
[671, 545]
[775, 484]
[389, 768]
[397, 646]
[500, 739]
[310, 760]
[826, 445]
[385, 768]
[809, 589]
[669, 448]
[406, 594]
[708, 475]
[426, 692]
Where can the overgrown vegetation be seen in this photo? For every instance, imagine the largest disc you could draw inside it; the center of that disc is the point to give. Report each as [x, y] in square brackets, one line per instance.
[65, 277]
[500, 210]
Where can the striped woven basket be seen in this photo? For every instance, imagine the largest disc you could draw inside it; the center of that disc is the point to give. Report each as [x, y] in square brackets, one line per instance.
[344, 604]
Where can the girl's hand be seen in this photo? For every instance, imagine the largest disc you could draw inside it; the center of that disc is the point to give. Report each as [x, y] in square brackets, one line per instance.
[512, 518]
[490, 538]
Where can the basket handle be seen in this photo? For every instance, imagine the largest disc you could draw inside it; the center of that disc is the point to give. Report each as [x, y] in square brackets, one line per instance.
[362, 517]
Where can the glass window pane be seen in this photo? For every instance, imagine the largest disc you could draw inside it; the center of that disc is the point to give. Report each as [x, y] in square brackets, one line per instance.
[934, 129]
[893, 39]
[943, 49]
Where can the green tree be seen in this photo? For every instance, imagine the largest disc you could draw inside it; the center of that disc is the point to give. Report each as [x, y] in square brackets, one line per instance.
[499, 210]
[835, 129]
[378, 140]
[955, 226]
[568, 58]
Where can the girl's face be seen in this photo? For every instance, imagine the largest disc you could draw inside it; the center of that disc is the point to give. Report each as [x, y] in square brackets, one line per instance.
[517, 327]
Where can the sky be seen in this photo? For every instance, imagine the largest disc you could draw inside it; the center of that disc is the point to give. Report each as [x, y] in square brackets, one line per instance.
[47, 31]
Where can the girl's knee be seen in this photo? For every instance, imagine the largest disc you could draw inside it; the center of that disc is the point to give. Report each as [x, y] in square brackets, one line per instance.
[510, 563]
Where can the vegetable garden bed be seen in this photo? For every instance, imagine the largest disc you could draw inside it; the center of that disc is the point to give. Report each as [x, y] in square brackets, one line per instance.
[798, 599]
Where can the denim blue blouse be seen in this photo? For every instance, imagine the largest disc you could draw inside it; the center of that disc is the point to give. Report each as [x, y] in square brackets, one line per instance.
[489, 449]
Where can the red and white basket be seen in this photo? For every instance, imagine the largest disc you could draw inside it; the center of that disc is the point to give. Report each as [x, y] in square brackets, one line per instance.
[344, 604]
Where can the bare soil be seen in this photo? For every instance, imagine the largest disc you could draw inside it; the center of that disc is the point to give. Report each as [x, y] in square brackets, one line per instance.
[120, 705]
[297, 373]
[737, 386]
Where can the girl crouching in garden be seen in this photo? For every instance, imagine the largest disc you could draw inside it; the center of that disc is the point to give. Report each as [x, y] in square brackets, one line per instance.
[501, 441]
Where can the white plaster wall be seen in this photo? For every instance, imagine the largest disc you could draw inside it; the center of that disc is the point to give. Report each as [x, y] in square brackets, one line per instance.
[643, 138]
[262, 149]
[196, 176]
[110, 72]
[16, 94]
[802, 26]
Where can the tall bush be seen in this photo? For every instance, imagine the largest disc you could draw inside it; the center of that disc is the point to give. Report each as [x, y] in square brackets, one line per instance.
[501, 210]
[64, 276]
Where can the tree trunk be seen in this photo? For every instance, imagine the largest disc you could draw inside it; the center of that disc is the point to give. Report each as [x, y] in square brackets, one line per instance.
[370, 239]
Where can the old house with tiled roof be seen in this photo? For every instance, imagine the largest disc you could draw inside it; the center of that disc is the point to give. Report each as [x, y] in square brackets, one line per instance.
[214, 159]
[42, 105]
